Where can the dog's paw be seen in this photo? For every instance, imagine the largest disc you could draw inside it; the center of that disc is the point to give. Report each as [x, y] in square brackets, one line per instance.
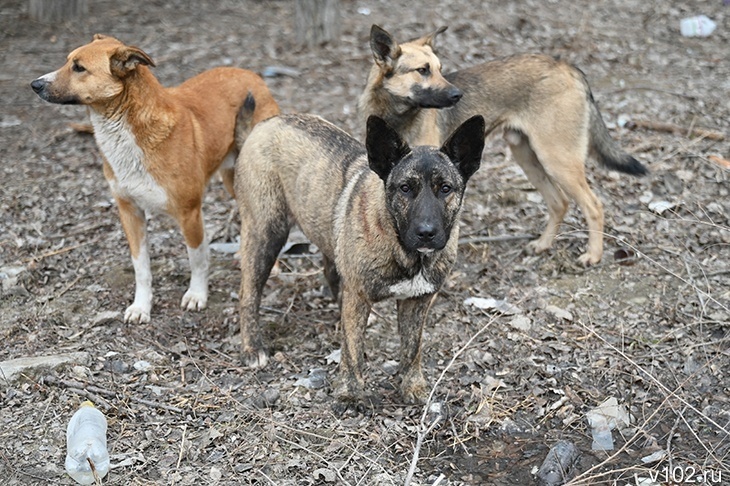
[194, 300]
[136, 314]
[254, 359]
[362, 405]
[350, 394]
[414, 390]
[535, 247]
[414, 393]
[587, 259]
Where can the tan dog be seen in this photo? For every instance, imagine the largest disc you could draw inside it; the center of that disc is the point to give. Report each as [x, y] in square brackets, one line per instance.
[160, 145]
[544, 106]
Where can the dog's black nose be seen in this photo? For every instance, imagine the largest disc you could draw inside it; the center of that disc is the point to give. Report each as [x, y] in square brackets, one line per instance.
[38, 85]
[426, 232]
[455, 94]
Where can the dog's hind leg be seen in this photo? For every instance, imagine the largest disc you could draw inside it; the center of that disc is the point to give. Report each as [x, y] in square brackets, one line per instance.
[263, 234]
[555, 199]
[333, 278]
[576, 186]
[563, 160]
[227, 172]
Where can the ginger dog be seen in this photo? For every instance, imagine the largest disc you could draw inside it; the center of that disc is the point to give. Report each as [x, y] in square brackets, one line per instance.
[160, 145]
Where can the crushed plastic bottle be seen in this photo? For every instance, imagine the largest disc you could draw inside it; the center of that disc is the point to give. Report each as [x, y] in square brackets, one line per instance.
[699, 26]
[603, 419]
[86, 444]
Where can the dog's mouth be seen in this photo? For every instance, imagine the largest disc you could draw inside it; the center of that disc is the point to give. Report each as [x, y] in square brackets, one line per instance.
[424, 246]
[435, 98]
[436, 104]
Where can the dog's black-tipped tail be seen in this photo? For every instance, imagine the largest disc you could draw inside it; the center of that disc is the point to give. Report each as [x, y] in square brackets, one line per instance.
[244, 120]
[605, 149]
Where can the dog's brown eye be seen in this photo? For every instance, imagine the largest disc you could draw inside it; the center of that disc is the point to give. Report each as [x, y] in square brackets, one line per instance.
[424, 70]
[445, 189]
[405, 188]
[78, 68]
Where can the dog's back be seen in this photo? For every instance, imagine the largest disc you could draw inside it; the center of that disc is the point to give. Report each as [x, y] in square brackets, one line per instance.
[308, 161]
[543, 105]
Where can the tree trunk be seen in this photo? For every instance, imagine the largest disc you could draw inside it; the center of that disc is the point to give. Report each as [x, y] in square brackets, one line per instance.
[318, 22]
[51, 11]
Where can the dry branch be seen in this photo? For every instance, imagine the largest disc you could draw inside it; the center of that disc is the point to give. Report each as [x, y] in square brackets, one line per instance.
[676, 129]
[93, 393]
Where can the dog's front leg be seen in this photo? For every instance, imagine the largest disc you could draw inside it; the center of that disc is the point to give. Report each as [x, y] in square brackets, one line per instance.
[135, 228]
[191, 223]
[412, 315]
[354, 319]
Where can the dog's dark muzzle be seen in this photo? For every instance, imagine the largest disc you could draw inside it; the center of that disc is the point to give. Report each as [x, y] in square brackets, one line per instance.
[425, 237]
[43, 89]
[436, 97]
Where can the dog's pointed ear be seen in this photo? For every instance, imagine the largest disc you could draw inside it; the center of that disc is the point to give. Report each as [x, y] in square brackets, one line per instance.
[429, 39]
[126, 59]
[385, 49]
[385, 147]
[100, 37]
[464, 147]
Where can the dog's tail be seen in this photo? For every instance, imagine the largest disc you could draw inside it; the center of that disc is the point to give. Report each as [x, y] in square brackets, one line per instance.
[605, 149]
[244, 120]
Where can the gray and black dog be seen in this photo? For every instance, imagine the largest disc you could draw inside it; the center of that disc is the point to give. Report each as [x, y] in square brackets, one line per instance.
[384, 217]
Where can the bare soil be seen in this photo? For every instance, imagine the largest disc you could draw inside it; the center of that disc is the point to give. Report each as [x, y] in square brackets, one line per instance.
[651, 330]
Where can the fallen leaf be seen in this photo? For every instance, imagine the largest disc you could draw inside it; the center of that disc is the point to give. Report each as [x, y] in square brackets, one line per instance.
[724, 163]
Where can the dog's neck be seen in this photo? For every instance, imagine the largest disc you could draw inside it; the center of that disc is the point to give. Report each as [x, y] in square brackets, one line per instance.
[143, 105]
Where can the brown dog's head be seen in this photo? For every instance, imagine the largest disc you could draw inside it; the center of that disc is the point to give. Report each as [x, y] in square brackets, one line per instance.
[93, 73]
[411, 72]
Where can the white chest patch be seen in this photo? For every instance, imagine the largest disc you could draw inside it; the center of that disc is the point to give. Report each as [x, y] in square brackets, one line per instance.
[117, 143]
[417, 286]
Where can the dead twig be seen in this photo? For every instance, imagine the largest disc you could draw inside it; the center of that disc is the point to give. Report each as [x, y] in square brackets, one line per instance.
[66, 249]
[424, 429]
[93, 393]
[676, 129]
[649, 88]
[468, 240]
[68, 287]
[182, 447]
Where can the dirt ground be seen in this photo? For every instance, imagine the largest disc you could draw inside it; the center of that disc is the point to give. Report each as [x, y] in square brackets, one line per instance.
[650, 331]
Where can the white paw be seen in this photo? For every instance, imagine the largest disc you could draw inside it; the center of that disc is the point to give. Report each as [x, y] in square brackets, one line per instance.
[136, 313]
[255, 359]
[586, 259]
[535, 247]
[194, 301]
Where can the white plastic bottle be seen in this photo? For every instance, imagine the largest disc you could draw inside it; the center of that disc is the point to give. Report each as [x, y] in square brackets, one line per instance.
[86, 439]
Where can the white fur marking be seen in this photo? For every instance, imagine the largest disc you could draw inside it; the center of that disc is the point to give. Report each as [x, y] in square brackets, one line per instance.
[342, 202]
[117, 143]
[50, 77]
[196, 298]
[140, 309]
[406, 289]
